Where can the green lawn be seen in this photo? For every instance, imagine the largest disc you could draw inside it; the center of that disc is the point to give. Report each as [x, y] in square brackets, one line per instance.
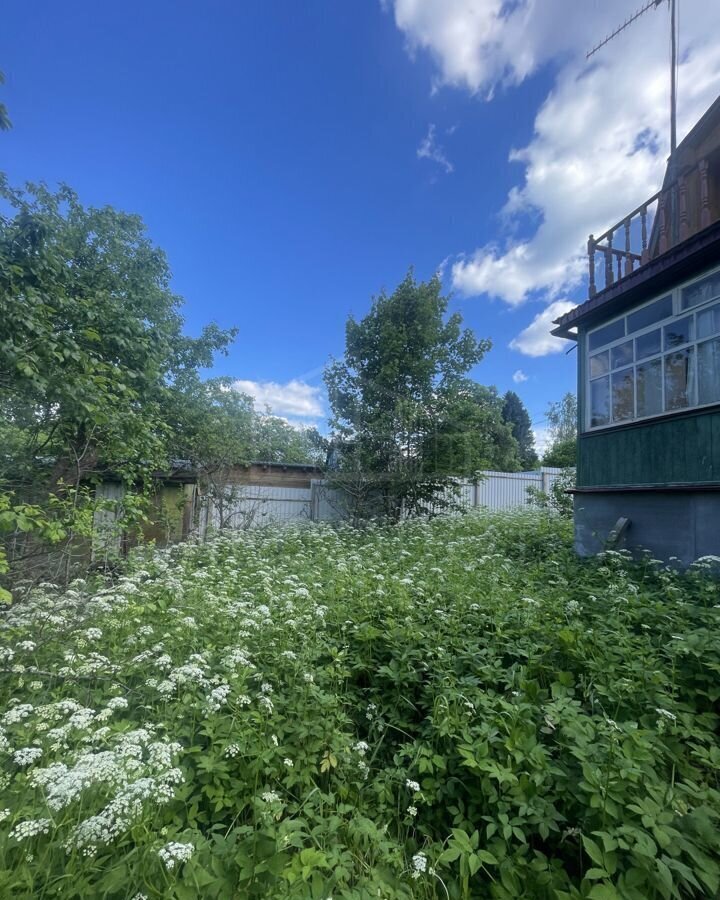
[455, 708]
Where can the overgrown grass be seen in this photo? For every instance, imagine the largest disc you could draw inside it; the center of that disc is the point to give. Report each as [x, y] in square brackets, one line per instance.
[456, 708]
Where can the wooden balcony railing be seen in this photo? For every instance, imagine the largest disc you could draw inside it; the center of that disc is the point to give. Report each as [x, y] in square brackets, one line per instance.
[626, 259]
[676, 212]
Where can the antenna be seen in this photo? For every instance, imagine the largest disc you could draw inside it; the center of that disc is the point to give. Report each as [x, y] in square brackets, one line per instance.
[636, 15]
[653, 4]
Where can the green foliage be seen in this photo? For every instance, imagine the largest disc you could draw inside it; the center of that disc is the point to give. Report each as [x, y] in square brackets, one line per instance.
[97, 378]
[562, 454]
[5, 123]
[516, 416]
[562, 419]
[397, 392]
[557, 497]
[91, 335]
[275, 440]
[454, 708]
[471, 434]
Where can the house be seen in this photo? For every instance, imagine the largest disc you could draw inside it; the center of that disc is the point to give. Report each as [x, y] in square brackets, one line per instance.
[648, 338]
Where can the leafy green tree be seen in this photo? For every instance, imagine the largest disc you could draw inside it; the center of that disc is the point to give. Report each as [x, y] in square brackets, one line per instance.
[473, 434]
[276, 440]
[394, 389]
[91, 349]
[562, 419]
[562, 422]
[562, 454]
[516, 415]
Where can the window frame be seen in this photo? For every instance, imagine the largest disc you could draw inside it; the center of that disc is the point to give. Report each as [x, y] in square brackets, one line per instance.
[677, 313]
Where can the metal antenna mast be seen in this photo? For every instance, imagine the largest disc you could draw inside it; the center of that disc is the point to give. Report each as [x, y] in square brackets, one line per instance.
[653, 4]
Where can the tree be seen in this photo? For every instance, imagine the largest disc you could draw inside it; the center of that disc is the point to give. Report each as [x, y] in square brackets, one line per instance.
[393, 391]
[562, 419]
[473, 435]
[92, 355]
[562, 454]
[516, 415]
[276, 440]
[562, 422]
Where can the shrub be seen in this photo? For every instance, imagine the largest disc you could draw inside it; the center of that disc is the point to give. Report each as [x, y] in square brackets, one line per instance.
[454, 708]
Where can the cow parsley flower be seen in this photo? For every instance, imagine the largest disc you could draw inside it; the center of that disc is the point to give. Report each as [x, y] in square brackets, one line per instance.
[412, 785]
[174, 852]
[419, 862]
[30, 828]
[27, 756]
[17, 714]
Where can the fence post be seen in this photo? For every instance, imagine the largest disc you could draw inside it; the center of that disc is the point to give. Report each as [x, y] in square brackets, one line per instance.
[544, 480]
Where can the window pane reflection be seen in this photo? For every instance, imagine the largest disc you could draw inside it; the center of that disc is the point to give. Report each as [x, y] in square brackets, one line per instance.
[622, 396]
[678, 379]
[600, 402]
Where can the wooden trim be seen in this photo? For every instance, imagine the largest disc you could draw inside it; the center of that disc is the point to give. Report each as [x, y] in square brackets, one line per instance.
[651, 420]
[706, 487]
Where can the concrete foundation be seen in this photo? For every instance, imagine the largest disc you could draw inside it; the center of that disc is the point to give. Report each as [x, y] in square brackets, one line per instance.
[681, 524]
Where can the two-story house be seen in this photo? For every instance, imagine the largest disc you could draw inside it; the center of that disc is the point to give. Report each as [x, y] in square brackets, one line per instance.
[648, 341]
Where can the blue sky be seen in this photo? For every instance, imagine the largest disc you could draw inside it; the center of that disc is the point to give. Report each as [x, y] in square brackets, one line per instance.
[293, 159]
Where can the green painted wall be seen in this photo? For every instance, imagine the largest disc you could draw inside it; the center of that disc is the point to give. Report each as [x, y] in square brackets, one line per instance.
[680, 449]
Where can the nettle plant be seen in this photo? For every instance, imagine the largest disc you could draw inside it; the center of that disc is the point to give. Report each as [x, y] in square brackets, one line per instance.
[452, 708]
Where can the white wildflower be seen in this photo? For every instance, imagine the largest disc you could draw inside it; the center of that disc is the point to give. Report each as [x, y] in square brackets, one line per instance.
[419, 862]
[30, 828]
[173, 853]
[27, 756]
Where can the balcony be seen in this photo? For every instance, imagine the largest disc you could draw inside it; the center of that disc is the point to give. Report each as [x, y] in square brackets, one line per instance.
[683, 207]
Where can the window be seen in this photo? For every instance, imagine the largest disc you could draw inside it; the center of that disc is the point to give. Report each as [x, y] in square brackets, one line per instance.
[700, 291]
[660, 358]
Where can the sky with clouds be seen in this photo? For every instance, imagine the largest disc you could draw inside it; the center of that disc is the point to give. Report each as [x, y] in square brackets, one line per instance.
[295, 159]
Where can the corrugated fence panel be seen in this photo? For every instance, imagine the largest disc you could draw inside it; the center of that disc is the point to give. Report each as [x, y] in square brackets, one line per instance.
[247, 506]
[253, 505]
[506, 490]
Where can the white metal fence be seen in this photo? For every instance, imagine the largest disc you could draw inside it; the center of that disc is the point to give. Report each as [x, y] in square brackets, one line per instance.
[254, 505]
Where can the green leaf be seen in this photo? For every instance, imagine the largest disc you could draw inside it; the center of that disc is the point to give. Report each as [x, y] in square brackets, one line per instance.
[593, 851]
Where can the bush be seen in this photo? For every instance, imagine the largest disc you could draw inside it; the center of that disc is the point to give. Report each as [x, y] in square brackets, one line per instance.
[455, 708]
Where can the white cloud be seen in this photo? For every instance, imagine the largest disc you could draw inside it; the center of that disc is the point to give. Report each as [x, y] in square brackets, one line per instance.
[519, 377]
[294, 398]
[536, 340]
[543, 439]
[600, 138]
[430, 149]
